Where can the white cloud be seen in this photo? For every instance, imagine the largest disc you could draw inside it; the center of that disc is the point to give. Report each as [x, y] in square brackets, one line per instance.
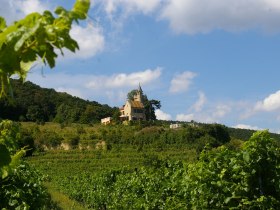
[112, 88]
[201, 16]
[90, 39]
[125, 80]
[199, 117]
[185, 117]
[181, 82]
[71, 91]
[116, 96]
[29, 6]
[244, 126]
[119, 11]
[213, 113]
[162, 115]
[130, 6]
[270, 103]
[198, 105]
[13, 10]
[221, 110]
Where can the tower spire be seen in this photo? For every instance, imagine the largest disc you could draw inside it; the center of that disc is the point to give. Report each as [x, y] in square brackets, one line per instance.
[140, 89]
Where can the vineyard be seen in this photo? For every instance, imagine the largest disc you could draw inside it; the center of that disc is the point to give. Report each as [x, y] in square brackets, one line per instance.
[237, 175]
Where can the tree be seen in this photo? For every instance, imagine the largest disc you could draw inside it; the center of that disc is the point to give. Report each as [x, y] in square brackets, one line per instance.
[89, 114]
[131, 94]
[34, 113]
[150, 107]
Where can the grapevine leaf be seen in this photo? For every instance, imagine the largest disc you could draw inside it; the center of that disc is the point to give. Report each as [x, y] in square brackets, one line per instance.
[2, 23]
[60, 11]
[26, 36]
[16, 157]
[246, 156]
[37, 36]
[5, 172]
[81, 8]
[227, 200]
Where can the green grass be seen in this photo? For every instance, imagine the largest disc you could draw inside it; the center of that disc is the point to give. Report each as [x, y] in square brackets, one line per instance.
[62, 201]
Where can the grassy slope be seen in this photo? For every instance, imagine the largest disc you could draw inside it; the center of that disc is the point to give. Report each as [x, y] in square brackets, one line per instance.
[61, 200]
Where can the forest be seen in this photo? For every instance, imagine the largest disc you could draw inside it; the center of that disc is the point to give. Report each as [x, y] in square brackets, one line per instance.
[36, 104]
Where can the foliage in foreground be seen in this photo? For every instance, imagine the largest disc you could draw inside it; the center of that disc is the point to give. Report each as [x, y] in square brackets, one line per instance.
[245, 179]
[36, 37]
[248, 178]
[20, 186]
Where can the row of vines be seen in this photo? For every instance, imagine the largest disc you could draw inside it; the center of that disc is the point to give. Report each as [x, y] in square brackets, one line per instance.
[245, 178]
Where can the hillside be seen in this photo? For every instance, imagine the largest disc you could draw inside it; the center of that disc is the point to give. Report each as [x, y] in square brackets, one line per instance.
[33, 103]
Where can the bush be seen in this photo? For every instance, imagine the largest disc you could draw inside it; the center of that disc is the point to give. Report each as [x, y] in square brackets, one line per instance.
[20, 186]
[27, 141]
[47, 138]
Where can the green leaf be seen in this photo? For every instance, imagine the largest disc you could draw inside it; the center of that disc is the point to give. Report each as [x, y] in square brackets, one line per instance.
[37, 36]
[25, 67]
[60, 11]
[81, 8]
[227, 200]
[246, 156]
[17, 157]
[27, 35]
[2, 23]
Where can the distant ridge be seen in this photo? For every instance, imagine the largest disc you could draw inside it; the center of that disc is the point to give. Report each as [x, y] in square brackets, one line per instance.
[34, 103]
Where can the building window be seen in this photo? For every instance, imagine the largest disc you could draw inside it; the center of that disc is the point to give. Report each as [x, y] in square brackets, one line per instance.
[139, 111]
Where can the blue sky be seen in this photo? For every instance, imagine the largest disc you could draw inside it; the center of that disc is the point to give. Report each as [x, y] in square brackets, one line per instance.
[205, 60]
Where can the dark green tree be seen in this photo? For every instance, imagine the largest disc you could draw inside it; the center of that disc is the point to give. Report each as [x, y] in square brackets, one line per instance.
[150, 107]
[89, 114]
[35, 113]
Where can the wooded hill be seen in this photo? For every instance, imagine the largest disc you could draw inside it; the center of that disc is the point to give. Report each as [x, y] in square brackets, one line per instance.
[33, 103]
[36, 104]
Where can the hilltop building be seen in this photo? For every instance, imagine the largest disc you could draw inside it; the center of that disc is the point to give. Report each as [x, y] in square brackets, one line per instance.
[134, 110]
[106, 121]
[175, 126]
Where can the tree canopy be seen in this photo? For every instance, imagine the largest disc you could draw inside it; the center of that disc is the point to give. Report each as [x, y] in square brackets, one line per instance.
[33, 103]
